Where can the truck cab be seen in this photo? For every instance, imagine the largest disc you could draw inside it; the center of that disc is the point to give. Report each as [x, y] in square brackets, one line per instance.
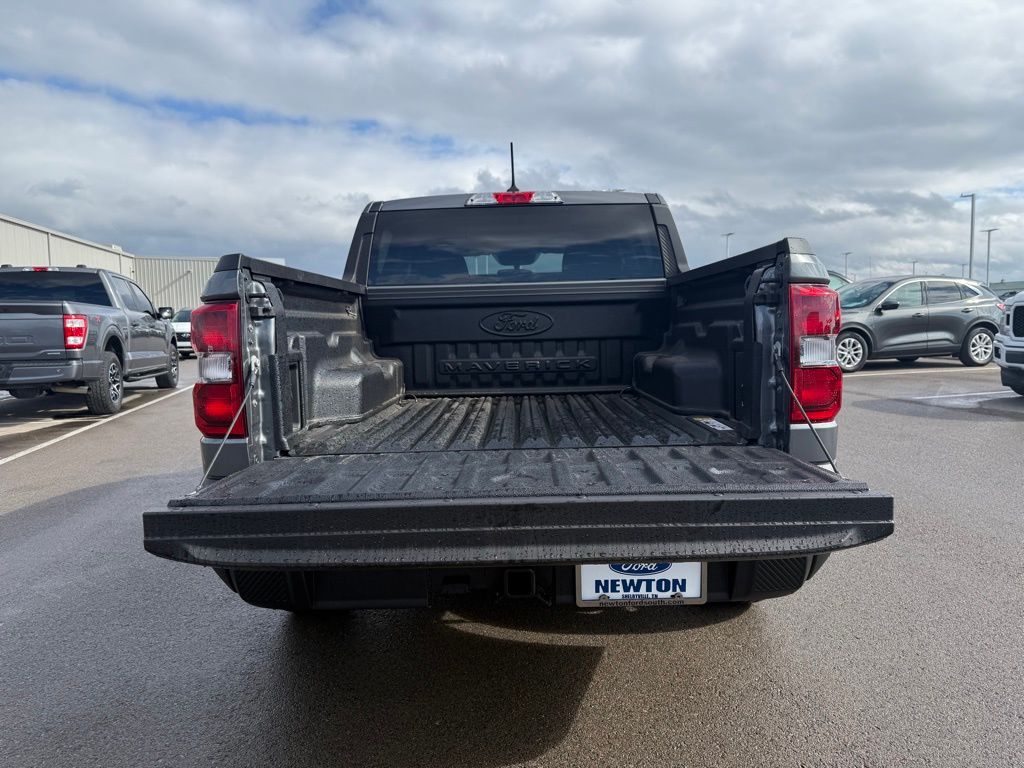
[81, 330]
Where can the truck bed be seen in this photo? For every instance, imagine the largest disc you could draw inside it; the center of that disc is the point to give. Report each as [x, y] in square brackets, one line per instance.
[512, 422]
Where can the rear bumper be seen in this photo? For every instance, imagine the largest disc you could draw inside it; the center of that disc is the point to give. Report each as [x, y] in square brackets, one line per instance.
[540, 531]
[24, 373]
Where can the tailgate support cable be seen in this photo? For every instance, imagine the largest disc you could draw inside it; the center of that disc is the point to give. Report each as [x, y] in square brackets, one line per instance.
[782, 372]
[254, 370]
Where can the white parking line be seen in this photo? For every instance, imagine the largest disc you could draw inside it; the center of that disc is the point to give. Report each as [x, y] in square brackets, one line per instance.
[965, 394]
[925, 372]
[87, 427]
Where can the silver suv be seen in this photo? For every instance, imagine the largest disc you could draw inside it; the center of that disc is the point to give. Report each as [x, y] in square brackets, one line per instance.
[911, 317]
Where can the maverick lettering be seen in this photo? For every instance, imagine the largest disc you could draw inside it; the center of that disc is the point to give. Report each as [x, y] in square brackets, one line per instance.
[519, 365]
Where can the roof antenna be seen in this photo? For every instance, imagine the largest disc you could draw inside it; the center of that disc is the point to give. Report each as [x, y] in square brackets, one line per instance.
[512, 160]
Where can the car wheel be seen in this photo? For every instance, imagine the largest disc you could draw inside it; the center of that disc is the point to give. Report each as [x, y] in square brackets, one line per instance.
[907, 360]
[978, 347]
[851, 351]
[105, 395]
[169, 380]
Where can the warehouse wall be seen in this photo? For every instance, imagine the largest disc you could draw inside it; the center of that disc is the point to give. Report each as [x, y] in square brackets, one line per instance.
[24, 245]
[172, 281]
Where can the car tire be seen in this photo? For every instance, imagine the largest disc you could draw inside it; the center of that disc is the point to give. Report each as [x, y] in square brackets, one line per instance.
[978, 347]
[105, 395]
[1018, 388]
[27, 393]
[851, 351]
[169, 380]
[907, 360]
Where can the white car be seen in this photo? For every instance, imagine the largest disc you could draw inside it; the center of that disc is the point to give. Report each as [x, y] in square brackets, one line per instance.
[1009, 345]
[182, 323]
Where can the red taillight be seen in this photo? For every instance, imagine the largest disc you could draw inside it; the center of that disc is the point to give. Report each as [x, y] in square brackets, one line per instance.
[817, 378]
[76, 328]
[513, 198]
[220, 392]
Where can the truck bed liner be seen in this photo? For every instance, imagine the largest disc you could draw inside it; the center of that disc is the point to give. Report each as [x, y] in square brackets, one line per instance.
[511, 422]
[517, 474]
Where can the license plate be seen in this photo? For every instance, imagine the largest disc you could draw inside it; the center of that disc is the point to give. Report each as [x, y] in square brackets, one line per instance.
[625, 584]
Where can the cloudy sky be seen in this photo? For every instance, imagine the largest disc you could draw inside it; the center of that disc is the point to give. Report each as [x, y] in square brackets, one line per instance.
[199, 128]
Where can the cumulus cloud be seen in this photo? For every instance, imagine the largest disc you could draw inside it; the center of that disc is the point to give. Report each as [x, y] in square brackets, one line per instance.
[188, 127]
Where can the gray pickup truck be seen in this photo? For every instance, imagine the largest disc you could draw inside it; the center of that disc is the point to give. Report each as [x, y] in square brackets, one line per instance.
[518, 395]
[81, 330]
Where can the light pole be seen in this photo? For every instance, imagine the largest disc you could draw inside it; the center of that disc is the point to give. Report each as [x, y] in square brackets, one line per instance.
[988, 249]
[846, 264]
[971, 258]
[727, 235]
[913, 267]
[963, 267]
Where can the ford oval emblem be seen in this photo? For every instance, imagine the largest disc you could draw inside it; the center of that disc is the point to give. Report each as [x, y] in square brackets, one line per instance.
[645, 568]
[516, 322]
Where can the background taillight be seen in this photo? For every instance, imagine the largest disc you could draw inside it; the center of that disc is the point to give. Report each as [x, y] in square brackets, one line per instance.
[220, 393]
[816, 377]
[76, 328]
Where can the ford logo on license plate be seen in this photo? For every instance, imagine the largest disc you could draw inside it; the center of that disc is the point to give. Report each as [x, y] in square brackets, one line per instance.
[645, 568]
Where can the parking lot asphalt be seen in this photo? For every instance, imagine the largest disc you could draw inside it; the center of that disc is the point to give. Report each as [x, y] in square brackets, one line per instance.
[907, 652]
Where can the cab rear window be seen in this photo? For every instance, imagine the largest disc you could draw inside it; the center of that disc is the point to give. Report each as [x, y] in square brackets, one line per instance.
[76, 287]
[515, 244]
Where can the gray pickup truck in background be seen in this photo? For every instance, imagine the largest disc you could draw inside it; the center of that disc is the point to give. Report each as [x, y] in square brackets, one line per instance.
[81, 330]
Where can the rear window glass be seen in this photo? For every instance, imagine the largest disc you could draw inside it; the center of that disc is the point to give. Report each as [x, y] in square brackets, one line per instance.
[514, 244]
[76, 287]
[970, 292]
[943, 293]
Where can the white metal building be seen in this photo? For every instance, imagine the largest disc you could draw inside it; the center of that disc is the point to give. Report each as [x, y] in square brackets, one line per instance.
[25, 244]
[169, 281]
[173, 281]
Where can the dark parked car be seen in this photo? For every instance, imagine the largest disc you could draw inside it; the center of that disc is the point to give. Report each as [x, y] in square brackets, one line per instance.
[911, 317]
[81, 330]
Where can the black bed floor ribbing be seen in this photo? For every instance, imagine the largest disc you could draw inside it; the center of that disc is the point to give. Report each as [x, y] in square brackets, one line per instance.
[587, 420]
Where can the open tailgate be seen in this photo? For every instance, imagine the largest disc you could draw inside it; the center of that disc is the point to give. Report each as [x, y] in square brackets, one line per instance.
[521, 506]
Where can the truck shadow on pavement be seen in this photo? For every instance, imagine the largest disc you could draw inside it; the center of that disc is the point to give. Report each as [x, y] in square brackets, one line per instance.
[565, 620]
[425, 688]
[407, 689]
